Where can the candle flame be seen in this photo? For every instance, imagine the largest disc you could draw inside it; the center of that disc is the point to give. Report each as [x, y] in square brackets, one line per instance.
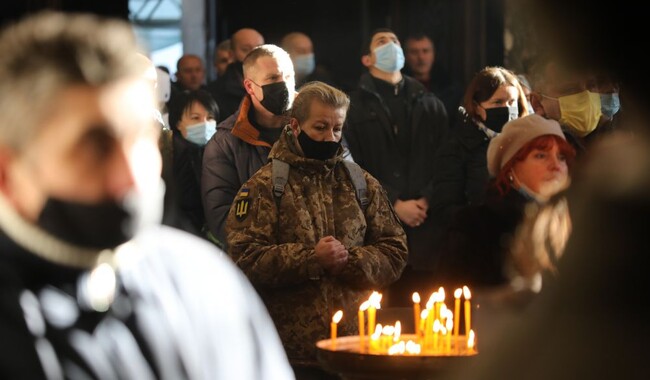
[443, 310]
[441, 294]
[436, 326]
[337, 316]
[388, 330]
[416, 297]
[398, 331]
[470, 339]
[397, 349]
[447, 314]
[450, 323]
[424, 314]
[467, 293]
[377, 332]
[364, 306]
[375, 300]
[458, 292]
[413, 348]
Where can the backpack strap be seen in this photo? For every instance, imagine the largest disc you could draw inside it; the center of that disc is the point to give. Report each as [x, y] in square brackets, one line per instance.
[359, 182]
[280, 178]
[280, 174]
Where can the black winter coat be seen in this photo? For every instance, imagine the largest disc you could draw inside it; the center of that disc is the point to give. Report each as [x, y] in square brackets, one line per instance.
[460, 176]
[373, 142]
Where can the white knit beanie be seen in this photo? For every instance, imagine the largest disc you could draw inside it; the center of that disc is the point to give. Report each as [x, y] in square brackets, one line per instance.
[514, 136]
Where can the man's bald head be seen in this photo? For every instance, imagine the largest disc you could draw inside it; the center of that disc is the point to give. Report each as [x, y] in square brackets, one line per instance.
[243, 41]
[297, 43]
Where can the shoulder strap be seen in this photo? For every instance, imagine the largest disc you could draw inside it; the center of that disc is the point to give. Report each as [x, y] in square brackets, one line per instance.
[280, 178]
[280, 174]
[359, 182]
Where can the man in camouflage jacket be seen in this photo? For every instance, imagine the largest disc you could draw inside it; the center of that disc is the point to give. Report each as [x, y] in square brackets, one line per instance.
[314, 250]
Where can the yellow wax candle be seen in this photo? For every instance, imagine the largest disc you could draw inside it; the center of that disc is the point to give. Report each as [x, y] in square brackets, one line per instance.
[335, 320]
[471, 342]
[440, 302]
[457, 294]
[416, 312]
[468, 309]
[362, 324]
[436, 332]
[374, 304]
[423, 327]
[450, 325]
[374, 339]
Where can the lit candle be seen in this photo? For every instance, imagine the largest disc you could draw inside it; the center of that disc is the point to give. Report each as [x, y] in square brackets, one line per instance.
[416, 312]
[440, 302]
[375, 304]
[423, 327]
[457, 293]
[468, 309]
[436, 331]
[450, 325]
[398, 331]
[335, 320]
[470, 342]
[374, 338]
[362, 324]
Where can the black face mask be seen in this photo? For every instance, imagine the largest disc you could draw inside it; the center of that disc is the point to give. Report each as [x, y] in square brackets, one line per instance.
[102, 225]
[497, 117]
[318, 150]
[276, 97]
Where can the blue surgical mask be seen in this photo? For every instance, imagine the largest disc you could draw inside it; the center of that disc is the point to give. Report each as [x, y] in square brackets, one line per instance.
[304, 64]
[200, 133]
[389, 57]
[610, 104]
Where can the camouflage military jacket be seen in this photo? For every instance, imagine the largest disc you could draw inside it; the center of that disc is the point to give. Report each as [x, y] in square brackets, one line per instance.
[275, 247]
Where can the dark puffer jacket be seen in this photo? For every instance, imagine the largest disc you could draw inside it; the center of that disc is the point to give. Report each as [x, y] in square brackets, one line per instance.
[230, 158]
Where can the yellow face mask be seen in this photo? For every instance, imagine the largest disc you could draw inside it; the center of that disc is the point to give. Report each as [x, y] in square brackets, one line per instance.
[580, 112]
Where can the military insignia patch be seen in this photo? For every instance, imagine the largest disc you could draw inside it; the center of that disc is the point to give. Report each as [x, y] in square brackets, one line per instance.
[243, 193]
[241, 208]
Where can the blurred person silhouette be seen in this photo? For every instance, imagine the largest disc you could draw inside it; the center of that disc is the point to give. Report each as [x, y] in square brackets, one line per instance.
[561, 93]
[420, 54]
[223, 57]
[319, 235]
[591, 322]
[92, 285]
[394, 129]
[493, 97]
[228, 90]
[301, 49]
[243, 141]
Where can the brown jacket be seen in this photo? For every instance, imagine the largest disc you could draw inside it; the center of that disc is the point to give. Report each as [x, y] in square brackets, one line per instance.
[275, 248]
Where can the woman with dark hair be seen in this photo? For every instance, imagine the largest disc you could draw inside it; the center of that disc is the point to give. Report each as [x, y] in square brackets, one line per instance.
[529, 162]
[493, 97]
[192, 118]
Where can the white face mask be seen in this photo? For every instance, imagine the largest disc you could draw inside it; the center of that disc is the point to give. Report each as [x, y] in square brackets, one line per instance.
[389, 57]
[200, 133]
[304, 64]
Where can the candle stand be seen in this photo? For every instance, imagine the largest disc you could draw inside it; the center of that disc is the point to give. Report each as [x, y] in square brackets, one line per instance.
[355, 360]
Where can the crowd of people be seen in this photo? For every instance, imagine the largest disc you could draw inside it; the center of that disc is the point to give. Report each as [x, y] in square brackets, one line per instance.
[302, 199]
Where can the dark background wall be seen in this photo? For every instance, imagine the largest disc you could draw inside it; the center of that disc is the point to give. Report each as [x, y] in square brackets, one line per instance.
[468, 33]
